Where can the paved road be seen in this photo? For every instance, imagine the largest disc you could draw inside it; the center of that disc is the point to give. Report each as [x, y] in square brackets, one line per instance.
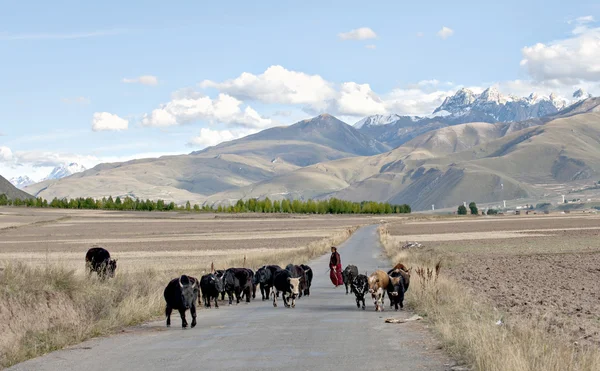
[324, 332]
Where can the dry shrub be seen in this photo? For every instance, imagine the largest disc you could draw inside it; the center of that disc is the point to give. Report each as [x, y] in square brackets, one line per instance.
[43, 309]
[475, 332]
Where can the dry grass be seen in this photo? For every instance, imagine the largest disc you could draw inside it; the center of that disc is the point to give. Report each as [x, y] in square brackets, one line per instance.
[468, 324]
[43, 309]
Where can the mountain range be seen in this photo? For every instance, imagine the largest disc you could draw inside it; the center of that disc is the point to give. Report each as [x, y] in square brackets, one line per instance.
[464, 107]
[512, 148]
[58, 172]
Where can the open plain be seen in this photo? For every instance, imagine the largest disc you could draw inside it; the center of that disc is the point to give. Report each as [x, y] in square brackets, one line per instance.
[171, 242]
[533, 268]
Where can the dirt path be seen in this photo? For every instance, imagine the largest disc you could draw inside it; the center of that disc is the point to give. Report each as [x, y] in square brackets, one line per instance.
[324, 332]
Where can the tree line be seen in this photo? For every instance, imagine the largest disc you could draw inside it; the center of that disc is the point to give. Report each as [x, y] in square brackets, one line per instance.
[330, 206]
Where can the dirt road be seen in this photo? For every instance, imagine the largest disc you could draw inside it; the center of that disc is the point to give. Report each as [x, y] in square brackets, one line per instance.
[324, 332]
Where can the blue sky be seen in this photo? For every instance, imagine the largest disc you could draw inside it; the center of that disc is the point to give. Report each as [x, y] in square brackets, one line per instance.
[157, 78]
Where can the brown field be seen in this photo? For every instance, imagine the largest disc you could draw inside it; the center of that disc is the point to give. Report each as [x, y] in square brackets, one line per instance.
[160, 241]
[544, 267]
[47, 302]
[540, 275]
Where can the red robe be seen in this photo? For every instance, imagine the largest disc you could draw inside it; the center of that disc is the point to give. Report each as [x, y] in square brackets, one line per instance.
[335, 274]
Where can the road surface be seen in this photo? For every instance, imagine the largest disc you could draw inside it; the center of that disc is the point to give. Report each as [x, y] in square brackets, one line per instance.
[324, 332]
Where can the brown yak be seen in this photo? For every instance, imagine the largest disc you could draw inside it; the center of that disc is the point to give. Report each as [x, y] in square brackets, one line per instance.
[378, 284]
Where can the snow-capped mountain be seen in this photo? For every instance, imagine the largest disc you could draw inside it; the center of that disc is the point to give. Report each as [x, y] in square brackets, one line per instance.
[463, 107]
[21, 181]
[377, 120]
[492, 106]
[64, 171]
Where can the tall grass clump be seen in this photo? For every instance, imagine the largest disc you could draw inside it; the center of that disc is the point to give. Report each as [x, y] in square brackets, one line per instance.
[473, 331]
[47, 308]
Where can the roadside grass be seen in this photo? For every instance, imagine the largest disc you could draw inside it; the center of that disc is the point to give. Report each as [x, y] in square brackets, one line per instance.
[43, 309]
[472, 330]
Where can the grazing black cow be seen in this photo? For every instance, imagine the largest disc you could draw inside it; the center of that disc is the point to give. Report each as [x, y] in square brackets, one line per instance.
[98, 260]
[264, 277]
[298, 272]
[360, 287]
[252, 284]
[219, 273]
[309, 277]
[399, 282]
[349, 274]
[237, 281]
[181, 294]
[287, 285]
[211, 286]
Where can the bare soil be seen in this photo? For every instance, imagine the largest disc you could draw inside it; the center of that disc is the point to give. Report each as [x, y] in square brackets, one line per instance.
[161, 241]
[533, 268]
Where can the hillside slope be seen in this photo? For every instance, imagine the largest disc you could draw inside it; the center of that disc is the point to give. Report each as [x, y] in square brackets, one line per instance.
[524, 163]
[230, 165]
[11, 191]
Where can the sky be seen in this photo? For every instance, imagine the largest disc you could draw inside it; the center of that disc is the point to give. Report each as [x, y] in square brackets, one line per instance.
[92, 82]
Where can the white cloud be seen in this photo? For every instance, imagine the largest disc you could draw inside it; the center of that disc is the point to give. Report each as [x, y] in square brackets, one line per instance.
[420, 34]
[224, 109]
[583, 20]
[569, 61]
[371, 46]
[209, 137]
[363, 33]
[278, 85]
[358, 100]
[144, 80]
[75, 100]
[445, 32]
[104, 121]
[6, 154]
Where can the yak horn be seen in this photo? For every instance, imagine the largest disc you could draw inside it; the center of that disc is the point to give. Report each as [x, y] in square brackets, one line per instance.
[180, 284]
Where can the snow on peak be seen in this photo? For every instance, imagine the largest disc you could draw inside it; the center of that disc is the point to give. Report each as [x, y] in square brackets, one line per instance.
[64, 171]
[459, 102]
[377, 120]
[581, 94]
[21, 181]
[492, 95]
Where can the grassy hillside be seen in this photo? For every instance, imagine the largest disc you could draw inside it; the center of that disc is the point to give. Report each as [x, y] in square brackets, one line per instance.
[11, 191]
[453, 165]
[228, 166]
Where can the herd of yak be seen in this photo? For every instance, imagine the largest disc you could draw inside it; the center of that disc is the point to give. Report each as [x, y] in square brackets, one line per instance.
[292, 282]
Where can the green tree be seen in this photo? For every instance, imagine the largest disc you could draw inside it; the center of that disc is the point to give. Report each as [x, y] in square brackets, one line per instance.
[473, 208]
[462, 210]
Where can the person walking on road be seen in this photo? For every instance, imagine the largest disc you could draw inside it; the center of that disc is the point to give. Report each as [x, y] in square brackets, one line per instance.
[335, 266]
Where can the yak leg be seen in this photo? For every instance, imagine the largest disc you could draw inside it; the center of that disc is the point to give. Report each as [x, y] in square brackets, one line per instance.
[248, 292]
[293, 301]
[363, 302]
[216, 301]
[193, 312]
[274, 297]
[230, 296]
[238, 295]
[168, 312]
[358, 303]
[184, 323]
[285, 300]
